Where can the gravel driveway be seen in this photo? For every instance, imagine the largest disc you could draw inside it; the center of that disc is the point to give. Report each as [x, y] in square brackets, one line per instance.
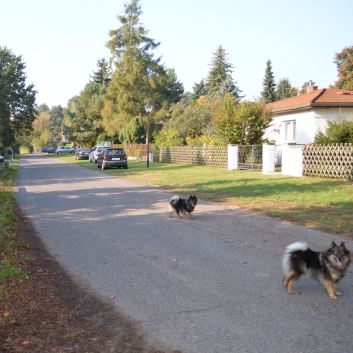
[212, 284]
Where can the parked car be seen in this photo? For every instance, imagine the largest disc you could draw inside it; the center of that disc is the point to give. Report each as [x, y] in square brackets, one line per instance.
[112, 157]
[2, 159]
[51, 150]
[96, 151]
[43, 150]
[64, 149]
[82, 153]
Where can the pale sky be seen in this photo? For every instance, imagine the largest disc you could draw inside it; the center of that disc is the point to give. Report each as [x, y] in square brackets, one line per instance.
[61, 41]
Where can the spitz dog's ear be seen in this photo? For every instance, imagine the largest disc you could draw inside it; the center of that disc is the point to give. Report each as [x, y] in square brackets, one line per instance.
[343, 244]
[333, 244]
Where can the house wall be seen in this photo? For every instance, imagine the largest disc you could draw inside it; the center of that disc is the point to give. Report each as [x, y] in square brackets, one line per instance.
[308, 123]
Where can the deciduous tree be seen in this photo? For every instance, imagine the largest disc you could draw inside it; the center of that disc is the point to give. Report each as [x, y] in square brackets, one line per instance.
[17, 99]
[241, 123]
[344, 62]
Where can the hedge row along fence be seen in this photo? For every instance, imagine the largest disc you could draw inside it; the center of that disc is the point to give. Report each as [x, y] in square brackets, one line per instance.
[211, 155]
[329, 161]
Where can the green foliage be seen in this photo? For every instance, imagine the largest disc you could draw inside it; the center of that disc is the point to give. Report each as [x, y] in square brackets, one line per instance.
[138, 76]
[83, 116]
[199, 89]
[285, 90]
[25, 150]
[344, 62]
[306, 85]
[268, 94]
[219, 81]
[339, 130]
[168, 138]
[17, 100]
[103, 75]
[134, 131]
[241, 123]
[190, 121]
[203, 140]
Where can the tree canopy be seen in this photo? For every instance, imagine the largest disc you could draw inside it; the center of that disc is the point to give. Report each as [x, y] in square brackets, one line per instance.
[17, 99]
[344, 62]
[138, 77]
[219, 80]
[241, 123]
[268, 93]
[284, 89]
[103, 75]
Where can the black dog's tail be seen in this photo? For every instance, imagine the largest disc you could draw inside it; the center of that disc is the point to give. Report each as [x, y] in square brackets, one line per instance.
[173, 203]
[298, 246]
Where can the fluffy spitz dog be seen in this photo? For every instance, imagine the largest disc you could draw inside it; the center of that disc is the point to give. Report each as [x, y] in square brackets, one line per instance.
[328, 267]
[179, 205]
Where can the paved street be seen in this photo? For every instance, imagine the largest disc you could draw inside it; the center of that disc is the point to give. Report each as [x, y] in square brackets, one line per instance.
[210, 285]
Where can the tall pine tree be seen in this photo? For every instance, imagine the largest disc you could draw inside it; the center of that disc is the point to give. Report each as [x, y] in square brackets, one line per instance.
[220, 76]
[103, 75]
[137, 72]
[268, 94]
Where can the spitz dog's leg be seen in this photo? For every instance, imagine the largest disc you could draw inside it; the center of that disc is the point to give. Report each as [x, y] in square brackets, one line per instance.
[289, 279]
[329, 286]
[335, 290]
[188, 214]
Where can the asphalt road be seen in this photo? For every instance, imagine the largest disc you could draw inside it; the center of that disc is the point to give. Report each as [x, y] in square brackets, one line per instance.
[210, 285]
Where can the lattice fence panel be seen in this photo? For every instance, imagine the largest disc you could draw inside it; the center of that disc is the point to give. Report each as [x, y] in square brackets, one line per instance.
[211, 156]
[330, 161]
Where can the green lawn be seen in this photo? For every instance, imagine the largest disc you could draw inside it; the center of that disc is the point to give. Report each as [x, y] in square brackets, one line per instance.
[325, 204]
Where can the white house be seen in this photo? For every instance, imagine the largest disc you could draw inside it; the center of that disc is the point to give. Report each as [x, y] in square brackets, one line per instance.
[298, 119]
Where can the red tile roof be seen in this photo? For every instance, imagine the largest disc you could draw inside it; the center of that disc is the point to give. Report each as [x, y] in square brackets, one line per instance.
[325, 97]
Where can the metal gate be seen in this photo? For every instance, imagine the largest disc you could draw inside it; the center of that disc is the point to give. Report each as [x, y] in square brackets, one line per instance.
[250, 157]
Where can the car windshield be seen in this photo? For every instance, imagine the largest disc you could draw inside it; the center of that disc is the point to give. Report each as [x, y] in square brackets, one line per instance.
[115, 152]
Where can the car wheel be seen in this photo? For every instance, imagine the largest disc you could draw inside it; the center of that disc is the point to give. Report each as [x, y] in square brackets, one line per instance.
[125, 167]
[59, 152]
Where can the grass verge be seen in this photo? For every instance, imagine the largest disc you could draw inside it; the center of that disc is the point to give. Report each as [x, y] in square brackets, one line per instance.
[10, 257]
[325, 204]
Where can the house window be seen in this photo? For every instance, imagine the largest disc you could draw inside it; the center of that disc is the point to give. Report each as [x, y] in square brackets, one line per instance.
[290, 131]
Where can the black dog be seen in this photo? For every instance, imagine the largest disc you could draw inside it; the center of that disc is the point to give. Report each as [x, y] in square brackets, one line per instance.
[179, 205]
[328, 267]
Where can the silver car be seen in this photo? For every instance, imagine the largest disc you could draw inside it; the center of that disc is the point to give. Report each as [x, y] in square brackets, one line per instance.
[95, 153]
[64, 149]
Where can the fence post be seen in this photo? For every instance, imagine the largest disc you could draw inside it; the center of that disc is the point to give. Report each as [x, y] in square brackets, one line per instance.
[268, 158]
[233, 157]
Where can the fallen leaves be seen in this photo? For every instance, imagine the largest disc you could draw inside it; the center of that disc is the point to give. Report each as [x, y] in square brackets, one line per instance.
[316, 305]
[112, 297]
[244, 262]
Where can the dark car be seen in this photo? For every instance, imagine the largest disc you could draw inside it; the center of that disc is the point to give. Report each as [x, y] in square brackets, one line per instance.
[82, 153]
[43, 150]
[112, 157]
[51, 150]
